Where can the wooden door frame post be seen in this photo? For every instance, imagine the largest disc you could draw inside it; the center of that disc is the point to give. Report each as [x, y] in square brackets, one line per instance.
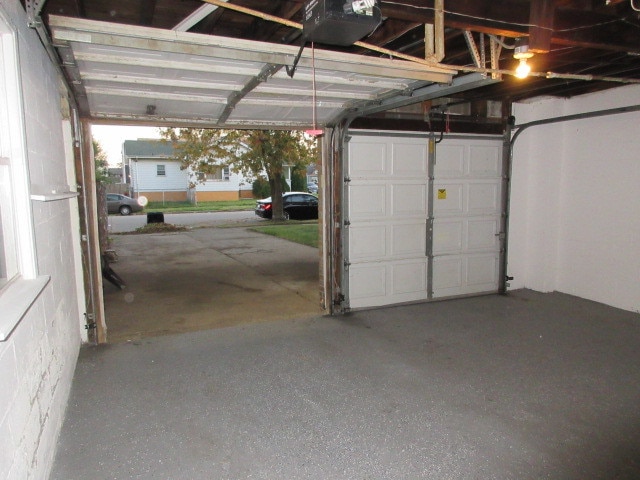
[90, 245]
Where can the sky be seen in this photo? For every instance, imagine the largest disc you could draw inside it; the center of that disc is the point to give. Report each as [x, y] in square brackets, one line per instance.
[111, 137]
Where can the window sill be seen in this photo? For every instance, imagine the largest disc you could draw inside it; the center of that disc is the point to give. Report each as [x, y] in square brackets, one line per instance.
[16, 300]
[52, 197]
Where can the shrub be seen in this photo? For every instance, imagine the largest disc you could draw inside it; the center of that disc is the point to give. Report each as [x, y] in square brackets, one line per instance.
[299, 180]
[261, 188]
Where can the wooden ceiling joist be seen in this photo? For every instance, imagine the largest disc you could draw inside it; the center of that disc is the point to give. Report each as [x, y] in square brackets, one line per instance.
[541, 19]
[501, 17]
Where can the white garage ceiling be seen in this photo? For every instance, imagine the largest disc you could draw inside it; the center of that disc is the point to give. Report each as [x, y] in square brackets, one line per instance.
[154, 76]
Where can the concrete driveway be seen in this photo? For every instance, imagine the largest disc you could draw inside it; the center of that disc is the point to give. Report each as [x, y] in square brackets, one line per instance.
[208, 278]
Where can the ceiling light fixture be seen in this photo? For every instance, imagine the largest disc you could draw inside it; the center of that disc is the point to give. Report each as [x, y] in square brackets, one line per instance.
[522, 53]
[524, 69]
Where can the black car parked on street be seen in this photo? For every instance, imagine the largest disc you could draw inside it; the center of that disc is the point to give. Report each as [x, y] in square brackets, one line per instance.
[295, 206]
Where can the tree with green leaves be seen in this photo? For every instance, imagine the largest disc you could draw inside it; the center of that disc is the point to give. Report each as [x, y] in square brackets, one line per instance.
[101, 162]
[251, 152]
[101, 165]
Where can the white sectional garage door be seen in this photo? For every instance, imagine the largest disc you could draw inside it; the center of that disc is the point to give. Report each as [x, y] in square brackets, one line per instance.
[411, 239]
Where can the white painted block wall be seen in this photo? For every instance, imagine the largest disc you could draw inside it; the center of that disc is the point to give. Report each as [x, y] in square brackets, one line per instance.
[575, 204]
[38, 359]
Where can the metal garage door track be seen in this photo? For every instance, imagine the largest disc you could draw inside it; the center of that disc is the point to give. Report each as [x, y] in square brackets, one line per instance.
[208, 278]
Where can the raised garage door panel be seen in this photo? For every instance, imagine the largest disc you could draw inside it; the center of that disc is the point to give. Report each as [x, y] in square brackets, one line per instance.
[387, 198]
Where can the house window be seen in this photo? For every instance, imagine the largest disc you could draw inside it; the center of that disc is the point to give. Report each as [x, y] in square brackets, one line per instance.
[8, 254]
[20, 284]
[221, 174]
[160, 171]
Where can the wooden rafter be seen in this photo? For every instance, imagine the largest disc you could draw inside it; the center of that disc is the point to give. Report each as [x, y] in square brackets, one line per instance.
[147, 9]
[508, 18]
[541, 18]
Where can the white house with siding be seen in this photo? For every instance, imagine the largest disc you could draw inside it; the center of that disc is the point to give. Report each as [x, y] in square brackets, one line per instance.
[151, 171]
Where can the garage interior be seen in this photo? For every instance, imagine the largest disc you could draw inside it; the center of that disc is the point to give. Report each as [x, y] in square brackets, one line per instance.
[456, 85]
[513, 202]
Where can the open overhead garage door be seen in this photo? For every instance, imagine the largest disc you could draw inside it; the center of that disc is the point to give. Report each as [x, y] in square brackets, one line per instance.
[153, 76]
[423, 220]
[138, 75]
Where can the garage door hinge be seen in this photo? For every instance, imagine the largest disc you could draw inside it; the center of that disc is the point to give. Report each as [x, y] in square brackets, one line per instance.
[34, 22]
[89, 317]
[347, 264]
[347, 223]
[347, 179]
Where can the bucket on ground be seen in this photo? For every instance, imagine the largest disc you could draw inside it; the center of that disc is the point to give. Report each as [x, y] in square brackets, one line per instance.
[155, 217]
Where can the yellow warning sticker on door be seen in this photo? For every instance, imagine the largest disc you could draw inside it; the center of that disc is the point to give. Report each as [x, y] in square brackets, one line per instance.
[442, 194]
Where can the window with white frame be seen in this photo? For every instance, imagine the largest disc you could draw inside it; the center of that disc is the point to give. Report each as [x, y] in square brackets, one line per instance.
[19, 280]
[221, 174]
[8, 253]
[161, 171]
[8, 241]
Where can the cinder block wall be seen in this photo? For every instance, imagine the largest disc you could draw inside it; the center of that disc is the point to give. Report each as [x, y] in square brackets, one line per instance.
[38, 359]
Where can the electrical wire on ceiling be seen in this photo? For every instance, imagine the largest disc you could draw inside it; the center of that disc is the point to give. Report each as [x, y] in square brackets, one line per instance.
[626, 21]
[379, 23]
[419, 7]
[586, 27]
[528, 25]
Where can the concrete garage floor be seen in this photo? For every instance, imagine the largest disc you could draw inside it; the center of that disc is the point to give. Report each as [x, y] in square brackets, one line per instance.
[524, 386]
[208, 278]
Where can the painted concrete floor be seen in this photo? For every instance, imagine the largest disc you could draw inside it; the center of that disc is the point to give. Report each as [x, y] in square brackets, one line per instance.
[527, 386]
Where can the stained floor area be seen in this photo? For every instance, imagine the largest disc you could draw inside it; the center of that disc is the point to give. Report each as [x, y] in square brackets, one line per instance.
[524, 386]
[208, 278]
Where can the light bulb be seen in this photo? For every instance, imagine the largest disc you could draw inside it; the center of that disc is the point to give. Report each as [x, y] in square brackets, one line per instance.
[523, 69]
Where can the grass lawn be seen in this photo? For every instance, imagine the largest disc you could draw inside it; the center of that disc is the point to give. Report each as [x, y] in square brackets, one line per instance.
[186, 207]
[304, 233]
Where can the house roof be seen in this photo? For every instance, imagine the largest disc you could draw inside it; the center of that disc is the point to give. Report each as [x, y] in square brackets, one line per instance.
[147, 148]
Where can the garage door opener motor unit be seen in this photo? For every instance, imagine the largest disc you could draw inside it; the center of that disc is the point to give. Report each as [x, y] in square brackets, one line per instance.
[336, 22]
